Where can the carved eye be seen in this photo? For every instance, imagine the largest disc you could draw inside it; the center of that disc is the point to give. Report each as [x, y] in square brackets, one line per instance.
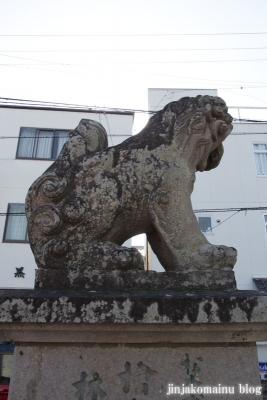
[218, 109]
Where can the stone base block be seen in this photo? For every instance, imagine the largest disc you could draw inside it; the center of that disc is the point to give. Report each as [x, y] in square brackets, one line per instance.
[134, 345]
[135, 372]
[88, 278]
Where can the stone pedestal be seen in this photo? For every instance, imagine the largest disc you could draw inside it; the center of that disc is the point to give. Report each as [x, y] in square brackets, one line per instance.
[91, 279]
[134, 345]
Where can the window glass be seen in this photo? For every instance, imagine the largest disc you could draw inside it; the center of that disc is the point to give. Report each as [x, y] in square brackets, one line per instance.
[265, 222]
[260, 154]
[6, 368]
[26, 142]
[259, 147]
[16, 223]
[61, 137]
[205, 224]
[44, 144]
[41, 143]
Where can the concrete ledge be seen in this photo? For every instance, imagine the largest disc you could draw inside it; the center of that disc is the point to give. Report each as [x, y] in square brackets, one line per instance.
[157, 334]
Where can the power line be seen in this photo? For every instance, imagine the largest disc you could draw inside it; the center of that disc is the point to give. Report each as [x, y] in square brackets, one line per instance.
[41, 102]
[229, 209]
[190, 25]
[203, 79]
[108, 135]
[249, 120]
[129, 62]
[248, 133]
[208, 210]
[132, 50]
[49, 137]
[213, 227]
[151, 73]
[108, 128]
[95, 109]
[100, 109]
[136, 34]
[122, 62]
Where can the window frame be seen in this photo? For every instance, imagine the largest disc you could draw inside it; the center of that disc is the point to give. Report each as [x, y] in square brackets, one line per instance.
[5, 349]
[265, 226]
[1, 366]
[211, 223]
[258, 152]
[36, 138]
[6, 225]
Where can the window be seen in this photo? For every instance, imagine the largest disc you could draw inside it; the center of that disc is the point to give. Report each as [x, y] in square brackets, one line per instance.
[260, 153]
[205, 224]
[6, 356]
[16, 224]
[41, 143]
[265, 224]
[5, 367]
[261, 284]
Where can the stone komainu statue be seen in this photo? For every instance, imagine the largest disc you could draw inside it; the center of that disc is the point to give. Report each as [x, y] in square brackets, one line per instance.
[94, 197]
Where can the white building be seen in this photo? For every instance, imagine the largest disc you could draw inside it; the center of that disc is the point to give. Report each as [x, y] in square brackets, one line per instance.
[31, 137]
[240, 181]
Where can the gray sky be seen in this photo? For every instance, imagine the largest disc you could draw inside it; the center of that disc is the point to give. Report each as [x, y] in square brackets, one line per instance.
[131, 46]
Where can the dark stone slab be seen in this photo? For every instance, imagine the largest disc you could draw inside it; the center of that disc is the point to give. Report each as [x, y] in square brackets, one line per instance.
[89, 278]
[132, 306]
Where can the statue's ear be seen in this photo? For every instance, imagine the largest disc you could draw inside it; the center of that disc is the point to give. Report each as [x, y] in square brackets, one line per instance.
[94, 135]
[215, 158]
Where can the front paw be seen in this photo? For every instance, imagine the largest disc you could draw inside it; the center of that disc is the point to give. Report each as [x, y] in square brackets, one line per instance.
[217, 256]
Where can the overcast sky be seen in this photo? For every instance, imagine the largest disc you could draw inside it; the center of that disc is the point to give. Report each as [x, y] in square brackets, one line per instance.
[125, 47]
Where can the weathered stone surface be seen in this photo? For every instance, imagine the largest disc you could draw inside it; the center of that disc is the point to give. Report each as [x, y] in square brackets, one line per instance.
[94, 198]
[149, 333]
[132, 344]
[134, 306]
[92, 279]
[133, 372]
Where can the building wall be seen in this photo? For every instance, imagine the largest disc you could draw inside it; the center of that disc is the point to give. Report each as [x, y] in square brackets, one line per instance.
[233, 184]
[17, 175]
